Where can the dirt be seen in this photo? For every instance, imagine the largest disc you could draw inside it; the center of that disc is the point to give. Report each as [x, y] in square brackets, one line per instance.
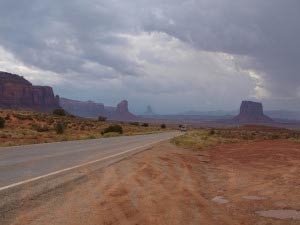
[168, 185]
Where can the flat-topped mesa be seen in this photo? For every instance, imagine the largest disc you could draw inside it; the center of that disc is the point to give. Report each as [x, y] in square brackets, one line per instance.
[18, 93]
[87, 109]
[252, 113]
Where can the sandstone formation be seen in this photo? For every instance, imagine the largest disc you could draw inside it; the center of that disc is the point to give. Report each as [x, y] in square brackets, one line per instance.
[122, 112]
[18, 93]
[149, 111]
[91, 109]
[87, 109]
[251, 113]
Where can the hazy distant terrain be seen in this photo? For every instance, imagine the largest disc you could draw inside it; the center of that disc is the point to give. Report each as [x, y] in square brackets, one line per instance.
[204, 115]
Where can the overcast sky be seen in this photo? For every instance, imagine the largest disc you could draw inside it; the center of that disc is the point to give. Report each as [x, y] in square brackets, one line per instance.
[176, 55]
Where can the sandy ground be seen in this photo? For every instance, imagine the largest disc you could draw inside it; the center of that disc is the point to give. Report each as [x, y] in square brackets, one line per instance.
[170, 186]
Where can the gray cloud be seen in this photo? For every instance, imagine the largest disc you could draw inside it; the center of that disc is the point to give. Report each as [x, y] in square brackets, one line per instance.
[266, 31]
[172, 48]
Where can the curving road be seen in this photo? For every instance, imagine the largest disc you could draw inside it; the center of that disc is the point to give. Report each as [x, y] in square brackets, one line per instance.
[22, 164]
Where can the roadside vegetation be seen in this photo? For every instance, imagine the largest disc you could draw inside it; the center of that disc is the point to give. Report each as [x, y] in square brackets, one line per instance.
[199, 139]
[2, 122]
[20, 127]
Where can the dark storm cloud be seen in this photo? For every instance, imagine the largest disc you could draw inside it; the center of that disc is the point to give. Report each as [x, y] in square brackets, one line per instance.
[61, 35]
[267, 31]
[85, 39]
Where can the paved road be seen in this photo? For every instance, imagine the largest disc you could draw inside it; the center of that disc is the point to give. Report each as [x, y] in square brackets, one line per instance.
[18, 164]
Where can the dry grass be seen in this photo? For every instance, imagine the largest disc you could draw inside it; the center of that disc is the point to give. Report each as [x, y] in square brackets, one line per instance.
[23, 128]
[206, 138]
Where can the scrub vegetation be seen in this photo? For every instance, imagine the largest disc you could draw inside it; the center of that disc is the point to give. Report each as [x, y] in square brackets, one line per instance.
[198, 139]
[21, 127]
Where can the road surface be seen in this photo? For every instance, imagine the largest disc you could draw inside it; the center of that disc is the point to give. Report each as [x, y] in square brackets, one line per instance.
[22, 164]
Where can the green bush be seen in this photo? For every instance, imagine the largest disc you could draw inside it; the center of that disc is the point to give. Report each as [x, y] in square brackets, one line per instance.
[59, 112]
[212, 132]
[113, 129]
[60, 128]
[145, 125]
[163, 126]
[102, 118]
[135, 124]
[2, 122]
[111, 134]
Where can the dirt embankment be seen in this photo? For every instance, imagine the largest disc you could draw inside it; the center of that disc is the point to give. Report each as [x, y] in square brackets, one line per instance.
[168, 185]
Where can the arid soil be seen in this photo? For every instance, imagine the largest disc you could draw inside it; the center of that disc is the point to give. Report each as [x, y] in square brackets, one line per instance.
[168, 185]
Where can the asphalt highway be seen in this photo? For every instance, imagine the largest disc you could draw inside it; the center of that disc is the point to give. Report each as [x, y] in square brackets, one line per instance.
[22, 164]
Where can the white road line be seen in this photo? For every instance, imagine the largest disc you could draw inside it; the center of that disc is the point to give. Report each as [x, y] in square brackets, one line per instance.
[76, 167]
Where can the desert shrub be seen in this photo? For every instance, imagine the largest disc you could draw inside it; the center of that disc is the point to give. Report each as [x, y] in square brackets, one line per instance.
[2, 122]
[163, 126]
[39, 128]
[135, 124]
[59, 112]
[145, 125]
[23, 117]
[60, 128]
[71, 116]
[5, 135]
[111, 134]
[212, 132]
[92, 136]
[275, 136]
[102, 118]
[113, 129]
[7, 117]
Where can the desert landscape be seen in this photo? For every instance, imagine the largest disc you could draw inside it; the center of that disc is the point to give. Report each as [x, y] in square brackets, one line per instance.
[237, 170]
[174, 112]
[248, 181]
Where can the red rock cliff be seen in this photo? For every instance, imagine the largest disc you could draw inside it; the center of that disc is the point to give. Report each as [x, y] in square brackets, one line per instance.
[18, 93]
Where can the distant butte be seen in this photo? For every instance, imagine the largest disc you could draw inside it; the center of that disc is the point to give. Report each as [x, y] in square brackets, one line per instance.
[149, 111]
[252, 113]
[91, 109]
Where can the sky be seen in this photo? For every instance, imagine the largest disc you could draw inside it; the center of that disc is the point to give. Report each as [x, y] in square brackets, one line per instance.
[175, 55]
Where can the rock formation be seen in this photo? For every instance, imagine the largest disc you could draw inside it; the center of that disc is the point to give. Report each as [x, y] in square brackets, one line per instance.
[44, 96]
[87, 109]
[91, 109]
[251, 113]
[122, 112]
[18, 93]
[149, 111]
